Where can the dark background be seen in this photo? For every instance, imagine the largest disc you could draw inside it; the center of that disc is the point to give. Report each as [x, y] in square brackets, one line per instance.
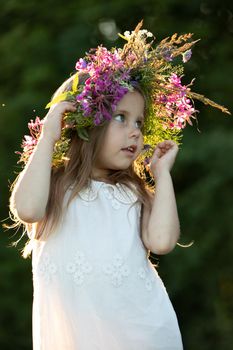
[39, 44]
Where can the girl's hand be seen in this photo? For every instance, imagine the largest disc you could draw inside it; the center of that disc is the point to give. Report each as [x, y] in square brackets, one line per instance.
[53, 120]
[164, 157]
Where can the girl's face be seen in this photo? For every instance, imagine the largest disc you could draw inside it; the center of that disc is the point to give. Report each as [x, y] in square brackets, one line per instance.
[123, 140]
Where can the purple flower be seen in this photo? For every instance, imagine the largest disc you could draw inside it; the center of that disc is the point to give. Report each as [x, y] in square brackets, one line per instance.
[97, 119]
[166, 53]
[147, 161]
[105, 86]
[81, 64]
[146, 147]
[162, 99]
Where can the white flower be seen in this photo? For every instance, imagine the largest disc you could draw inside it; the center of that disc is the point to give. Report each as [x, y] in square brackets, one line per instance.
[145, 32]
[127, 34]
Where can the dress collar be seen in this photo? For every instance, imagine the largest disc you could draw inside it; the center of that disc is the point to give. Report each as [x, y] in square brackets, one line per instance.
[120, 192]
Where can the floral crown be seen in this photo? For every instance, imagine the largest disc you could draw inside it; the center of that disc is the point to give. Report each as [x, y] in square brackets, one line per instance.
[110, 74]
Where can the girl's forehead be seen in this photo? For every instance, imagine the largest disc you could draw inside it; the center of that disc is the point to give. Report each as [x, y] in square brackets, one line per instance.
[132, 99]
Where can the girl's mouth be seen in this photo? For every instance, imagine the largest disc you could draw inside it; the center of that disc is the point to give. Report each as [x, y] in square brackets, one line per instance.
[130, 149]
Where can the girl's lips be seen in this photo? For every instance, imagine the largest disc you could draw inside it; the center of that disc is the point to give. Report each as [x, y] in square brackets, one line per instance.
[130, 149]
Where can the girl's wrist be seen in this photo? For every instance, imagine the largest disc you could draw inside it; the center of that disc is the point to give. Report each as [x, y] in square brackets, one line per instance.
[158, 173]
[47, 138]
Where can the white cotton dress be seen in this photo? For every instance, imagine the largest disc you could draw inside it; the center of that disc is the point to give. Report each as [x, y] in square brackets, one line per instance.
[94, 287]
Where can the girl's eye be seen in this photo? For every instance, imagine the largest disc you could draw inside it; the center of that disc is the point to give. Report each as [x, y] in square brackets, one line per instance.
[139, 124]
[119, 117]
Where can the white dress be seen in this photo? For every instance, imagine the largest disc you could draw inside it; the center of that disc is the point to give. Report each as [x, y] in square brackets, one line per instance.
[94, 287]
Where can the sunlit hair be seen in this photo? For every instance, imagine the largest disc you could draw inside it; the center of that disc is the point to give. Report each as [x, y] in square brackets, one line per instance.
[76, 175]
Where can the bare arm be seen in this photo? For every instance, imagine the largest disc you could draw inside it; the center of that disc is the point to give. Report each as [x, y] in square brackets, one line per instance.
[30, 195]
[161, 227]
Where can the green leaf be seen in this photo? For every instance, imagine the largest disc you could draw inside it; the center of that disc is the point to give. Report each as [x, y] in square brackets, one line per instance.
[83, 133]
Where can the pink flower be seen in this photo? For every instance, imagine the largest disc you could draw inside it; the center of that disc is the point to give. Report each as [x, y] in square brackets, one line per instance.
[175, 105]
[30, 141]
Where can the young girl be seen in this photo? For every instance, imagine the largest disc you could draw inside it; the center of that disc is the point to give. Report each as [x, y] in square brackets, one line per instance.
[92, 220]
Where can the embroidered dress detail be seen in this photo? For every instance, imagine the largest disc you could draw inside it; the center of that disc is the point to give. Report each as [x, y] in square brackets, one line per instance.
[79, 268]
[117, 271]
[88, 194]
[124, 195]
[148, 280]
[47, 268]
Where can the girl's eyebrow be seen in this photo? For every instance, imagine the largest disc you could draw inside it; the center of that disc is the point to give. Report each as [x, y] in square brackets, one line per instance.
[121, 111]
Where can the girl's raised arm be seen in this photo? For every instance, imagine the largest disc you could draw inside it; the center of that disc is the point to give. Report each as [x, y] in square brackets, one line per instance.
[31, 191]
[161, 227]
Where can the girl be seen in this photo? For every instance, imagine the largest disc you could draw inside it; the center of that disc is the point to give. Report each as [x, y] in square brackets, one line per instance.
[94, 287]
[91, 220]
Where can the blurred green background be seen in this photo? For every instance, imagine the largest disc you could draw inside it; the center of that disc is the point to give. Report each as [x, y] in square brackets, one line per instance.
[39, 44]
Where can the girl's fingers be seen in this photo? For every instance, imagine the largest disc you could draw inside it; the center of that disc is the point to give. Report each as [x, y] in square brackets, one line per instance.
[167, 144]
[157, 152]
[54, 120]
[63, 107]
[162, 149]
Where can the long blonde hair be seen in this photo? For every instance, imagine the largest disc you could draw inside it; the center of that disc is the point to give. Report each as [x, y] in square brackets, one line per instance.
[75, 175]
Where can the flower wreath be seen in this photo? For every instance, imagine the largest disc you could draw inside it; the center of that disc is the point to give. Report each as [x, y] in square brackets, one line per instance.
[110, 74]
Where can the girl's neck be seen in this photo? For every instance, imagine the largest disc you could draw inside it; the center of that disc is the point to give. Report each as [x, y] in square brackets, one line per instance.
[101, 179]
[101, 176]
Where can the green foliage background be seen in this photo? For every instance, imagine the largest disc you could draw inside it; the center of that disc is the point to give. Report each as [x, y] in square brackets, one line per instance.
[39, 44]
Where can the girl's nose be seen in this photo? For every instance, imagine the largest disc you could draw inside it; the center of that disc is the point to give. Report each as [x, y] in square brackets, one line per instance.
[134, 132]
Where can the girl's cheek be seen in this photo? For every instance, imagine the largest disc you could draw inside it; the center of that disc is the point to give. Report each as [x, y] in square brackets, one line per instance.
[141, 141]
